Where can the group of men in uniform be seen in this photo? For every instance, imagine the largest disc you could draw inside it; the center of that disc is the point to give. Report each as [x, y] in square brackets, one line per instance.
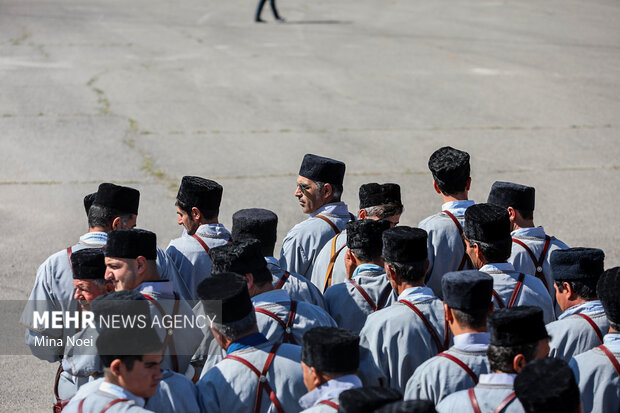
[477, 309]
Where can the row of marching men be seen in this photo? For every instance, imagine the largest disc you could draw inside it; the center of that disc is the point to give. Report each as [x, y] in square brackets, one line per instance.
[369, 266]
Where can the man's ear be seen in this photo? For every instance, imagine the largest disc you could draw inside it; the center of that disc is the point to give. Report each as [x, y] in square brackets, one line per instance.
[140, 265]
[328, 191]
[115, 367]
[195, 215]
[436, 187]
[512, 213]
[468, 184]
[518, 363]
[117, 223]
[362, 214]
[249, 278]
[448, 313]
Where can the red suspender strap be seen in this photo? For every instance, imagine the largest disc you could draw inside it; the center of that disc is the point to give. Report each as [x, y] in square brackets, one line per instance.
[500, 407]
[332, 261]
[289, 323]
[538, 262]
[262, 379]
[331, 224]
[473, 400]
[169, 340]
[462, 365]
[611, 358]
[515, 293]
[428, 326]
[364, 294]
[329, 403]
[275, 317]
[201, 242]
[282, 281]
[500, 303]
[594, 326]
[465, 258]
[112, 403]
[385, 295]
[69, 251]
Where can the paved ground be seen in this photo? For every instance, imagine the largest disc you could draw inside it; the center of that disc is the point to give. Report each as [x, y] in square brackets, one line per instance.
[144, 92]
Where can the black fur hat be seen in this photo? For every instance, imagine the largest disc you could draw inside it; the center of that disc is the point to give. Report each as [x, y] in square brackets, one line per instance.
[319, 168]
[405, 244]
[577, 264]
[88, 264]
[121, 198]
[226, 296]
[131, 243]
[487, 224]
[241, 257]
[516, 326]
[374, 194]
[608, 291]
[331, 350]
[450, 168]
[128, 303]
[201, 193]
[257, 223]
[366, 399]
[467, 290]
[366, 234]
[88, 201]
[507, 194]
[408, 406]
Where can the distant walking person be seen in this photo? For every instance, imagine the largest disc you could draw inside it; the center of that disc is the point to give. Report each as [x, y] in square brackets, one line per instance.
[259, 9]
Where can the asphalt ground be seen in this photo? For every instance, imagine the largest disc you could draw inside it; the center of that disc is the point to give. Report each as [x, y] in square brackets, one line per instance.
[144, 92]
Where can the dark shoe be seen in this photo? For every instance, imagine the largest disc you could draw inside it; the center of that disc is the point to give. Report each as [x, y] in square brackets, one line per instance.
[280, 20]
[259, 20]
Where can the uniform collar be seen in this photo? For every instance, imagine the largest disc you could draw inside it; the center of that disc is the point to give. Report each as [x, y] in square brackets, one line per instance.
[329, 390]
[457, 207]
[472, 341]
[216, 230]
[414, 294]
[498, 378]
[270, 297]
[498, 267]
[272, 261]
[94, 238]
[612, 342]
[252, 340]
[121, 393]
[157, 289]
[535, 232]
[369, 268]
[589, 307]
[335, 208]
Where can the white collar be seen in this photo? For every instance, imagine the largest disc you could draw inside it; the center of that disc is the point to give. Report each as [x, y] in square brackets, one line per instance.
[497, 378]
[536, 232]
[612, 341]
[457, 207]
[157, 289]
[329, 390]
[215, 230]
[272, 261]
[498, 267]
[121, 392]
[472, 341]
[94, 238]
[339, 209]
[270, 297]
[414, 294]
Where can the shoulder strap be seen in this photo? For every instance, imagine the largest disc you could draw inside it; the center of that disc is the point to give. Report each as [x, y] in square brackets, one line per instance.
[282, 280]
[611, 357]
[473, 400]
[169, 339]
[331, 224]
[201, 242]
[462, 365]
[500, 407]
[515, 292]
[538, 262]
[428, 326]
[465, 259]
[287, 327]
[385, 295]
[500, 302]
[594, 326]
[263, 384]
[332, 260]
[112, 403]
[329, 403]
[364, 294]
[69, 252]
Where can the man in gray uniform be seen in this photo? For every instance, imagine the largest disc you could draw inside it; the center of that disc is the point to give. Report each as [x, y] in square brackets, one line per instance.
[367, 289]
[319, 188]
[583, 324]
[467, 304]
[547, 385]
[446, 250]
[487, 236]
[262, 224]
[401, 337]
[198, 205]
[377, 201]
[531, 246]
[329, 359]
[517, 336]
[597, 371]
[256, 375]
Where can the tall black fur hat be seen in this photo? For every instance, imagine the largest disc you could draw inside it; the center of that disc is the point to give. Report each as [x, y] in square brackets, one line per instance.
[257, 223]
[331, 350]
[516, 326]
[366, 234]
[467, 290]
[508, 194]
[547, 385]
[375, 194]
[121, 198]
[408, 406]
[113, 343]
[366, 399]
[449, 167]
[226, 296]
[131, 243]
[128, 303]
[88, 264]
[241, 257]
[201, 193]
[608, 291]
[88, 201]
[319, 168]
[577, 264]
[487, 223]
[405, 244]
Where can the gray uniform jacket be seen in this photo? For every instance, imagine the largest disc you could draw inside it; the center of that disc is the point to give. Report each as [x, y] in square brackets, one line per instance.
[96, 401]
[348, 306]
[532, 291]
[439, 377]
[304, 241]
[298, 287]
[599, 383]
[321, 264]
[192, 260]
[574, 335]
[230, 386]
[445, 244]
[397, 340]
[489, 396]
[323, 408]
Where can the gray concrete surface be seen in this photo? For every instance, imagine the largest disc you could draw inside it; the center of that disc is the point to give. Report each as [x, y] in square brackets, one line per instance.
[144, 92]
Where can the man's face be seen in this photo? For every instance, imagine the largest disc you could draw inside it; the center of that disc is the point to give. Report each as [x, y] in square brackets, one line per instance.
[122, 273]
[394, 220]
[308, 194]
[130, 223]
[309, 377]
[183, 218]
[145, 375]
[472, 251]
[543, 349]
[86, 291]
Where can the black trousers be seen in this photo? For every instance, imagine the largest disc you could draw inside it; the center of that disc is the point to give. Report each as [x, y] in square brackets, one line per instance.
[261, 3]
